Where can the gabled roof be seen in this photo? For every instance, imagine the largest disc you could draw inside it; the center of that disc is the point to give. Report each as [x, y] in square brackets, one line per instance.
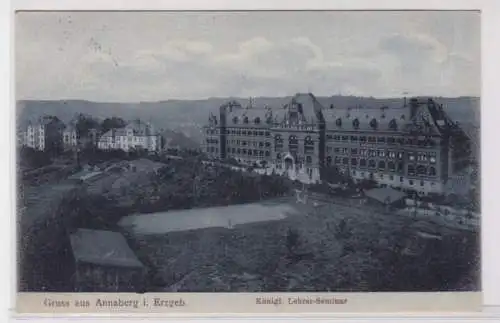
[103, 247]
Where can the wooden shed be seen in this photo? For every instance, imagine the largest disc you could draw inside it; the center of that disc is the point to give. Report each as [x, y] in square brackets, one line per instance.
[104, 262]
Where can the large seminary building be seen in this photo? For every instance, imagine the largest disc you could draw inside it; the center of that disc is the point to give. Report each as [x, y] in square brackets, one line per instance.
[414, 146]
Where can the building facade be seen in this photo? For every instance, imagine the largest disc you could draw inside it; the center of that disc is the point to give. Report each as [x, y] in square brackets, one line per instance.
[136, 135]
[44, 133]
[414, 146]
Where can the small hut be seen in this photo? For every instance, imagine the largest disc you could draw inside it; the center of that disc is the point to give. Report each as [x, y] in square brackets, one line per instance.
[104, 262]
[385, 196]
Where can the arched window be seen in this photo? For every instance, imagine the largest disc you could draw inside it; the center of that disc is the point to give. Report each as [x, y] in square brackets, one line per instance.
[308, 159]
[293, 142]
[374, 123]
[235, 119]
[328, 160]
[355, 123]
[354, 162]
[278, 141]
[308, 144]
[257, 120]
[381, 165]
[362, 162]
[432, 171]
[245, 120]
[372, 164]
[421, 170]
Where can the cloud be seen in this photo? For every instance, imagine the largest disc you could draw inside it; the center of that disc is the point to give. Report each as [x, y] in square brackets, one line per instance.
[115, 58]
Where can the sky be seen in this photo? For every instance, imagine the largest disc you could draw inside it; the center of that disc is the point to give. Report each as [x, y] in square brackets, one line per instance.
[151, 56]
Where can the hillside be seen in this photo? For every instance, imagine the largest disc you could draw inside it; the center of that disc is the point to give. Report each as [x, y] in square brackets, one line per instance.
[188, 116]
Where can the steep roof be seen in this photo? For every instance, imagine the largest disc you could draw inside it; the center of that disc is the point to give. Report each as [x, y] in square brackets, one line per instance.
[420, 116]
[362, 118]
[103, 247]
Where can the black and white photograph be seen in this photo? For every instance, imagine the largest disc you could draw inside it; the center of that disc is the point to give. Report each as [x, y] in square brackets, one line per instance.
[248, 151]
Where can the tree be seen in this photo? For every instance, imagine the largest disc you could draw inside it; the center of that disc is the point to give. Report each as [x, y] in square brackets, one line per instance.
[112, 122]
[84, 123]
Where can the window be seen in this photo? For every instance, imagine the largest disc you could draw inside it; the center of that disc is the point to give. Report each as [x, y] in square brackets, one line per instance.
[411, 157]
[337, 160]
[421, 170]
[345, 138]
[336, 150]
[354, 138]
[381, 165]
[257, 120]
[411, 182]
[411, 170]
[261, 144]
[391, 177]
[328, 160]
[401, 179]
[354, 162]
[345, 160]
[278, 156]
[371, 164]
[268, 134]
[245, 120]
[432, 171]
[308, 144]
[392, 166]
[371, 139]
[354, 151]
[268, 153]
[381, 153]
[421, 183]
[354, 172]
[362, 162]
[381, 139]
[308, 159]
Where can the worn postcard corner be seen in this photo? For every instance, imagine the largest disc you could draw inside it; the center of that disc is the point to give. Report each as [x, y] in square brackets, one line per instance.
[248, 162]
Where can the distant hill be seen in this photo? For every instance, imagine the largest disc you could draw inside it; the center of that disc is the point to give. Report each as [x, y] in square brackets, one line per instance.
[188, 116]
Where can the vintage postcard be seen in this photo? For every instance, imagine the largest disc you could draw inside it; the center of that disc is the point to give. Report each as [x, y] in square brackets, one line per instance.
[259, 162]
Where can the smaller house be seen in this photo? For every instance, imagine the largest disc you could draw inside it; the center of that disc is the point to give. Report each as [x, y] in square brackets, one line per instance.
[104, 262]
[386, 196]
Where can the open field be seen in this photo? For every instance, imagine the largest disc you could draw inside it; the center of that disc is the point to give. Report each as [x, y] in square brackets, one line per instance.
[254, 257]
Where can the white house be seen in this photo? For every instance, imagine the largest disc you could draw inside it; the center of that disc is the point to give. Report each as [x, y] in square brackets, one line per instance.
[69, 136]
[46, 131]
[135, 135]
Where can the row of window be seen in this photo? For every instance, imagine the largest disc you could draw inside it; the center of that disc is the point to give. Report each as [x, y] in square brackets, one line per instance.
[391, 177]
[249, 143]
[212, 141]
[424, 142]
[413, 170]
[243, 132]
[381, 153]
[249, 152]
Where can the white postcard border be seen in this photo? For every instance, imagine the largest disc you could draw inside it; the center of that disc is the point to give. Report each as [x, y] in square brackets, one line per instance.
[489, 116]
